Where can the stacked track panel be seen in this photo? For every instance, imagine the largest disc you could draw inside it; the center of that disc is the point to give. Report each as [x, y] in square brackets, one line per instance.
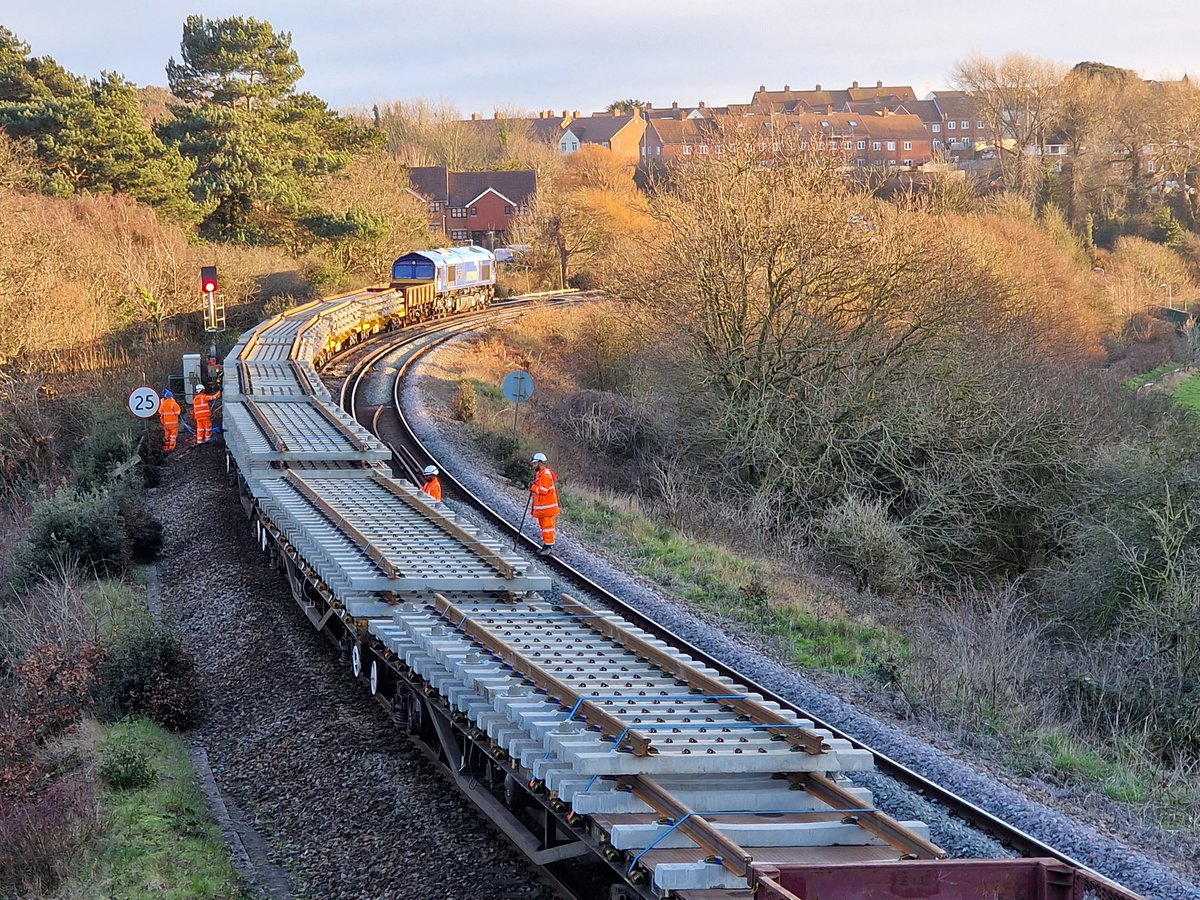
[684, 776]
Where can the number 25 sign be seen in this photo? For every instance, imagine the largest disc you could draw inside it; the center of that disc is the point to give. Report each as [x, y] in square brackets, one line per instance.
[143, 402]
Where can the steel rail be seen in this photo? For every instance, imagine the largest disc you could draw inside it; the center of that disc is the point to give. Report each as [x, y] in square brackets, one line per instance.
[978, 817]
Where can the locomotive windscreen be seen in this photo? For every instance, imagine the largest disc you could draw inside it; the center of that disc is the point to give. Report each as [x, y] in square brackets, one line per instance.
[412, 270]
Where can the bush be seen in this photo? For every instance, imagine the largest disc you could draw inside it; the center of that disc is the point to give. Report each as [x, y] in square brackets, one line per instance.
[609, 424]
[147, 671]
[111, 439]
[41, 837]
[859, 534]
[143, 532]
[465, 402]
[126, 766]
[76, 528]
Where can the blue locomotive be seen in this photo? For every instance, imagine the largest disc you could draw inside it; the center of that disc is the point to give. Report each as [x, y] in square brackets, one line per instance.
[445, 280]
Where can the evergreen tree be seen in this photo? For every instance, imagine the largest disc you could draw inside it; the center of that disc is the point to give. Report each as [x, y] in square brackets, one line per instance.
[1166, 228]
[24, 78]
[259, 146]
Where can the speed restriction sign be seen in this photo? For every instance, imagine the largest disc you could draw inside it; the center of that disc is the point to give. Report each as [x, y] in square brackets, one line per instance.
[143, 402]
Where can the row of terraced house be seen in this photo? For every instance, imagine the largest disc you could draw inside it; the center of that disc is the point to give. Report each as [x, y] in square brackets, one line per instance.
[874, 127]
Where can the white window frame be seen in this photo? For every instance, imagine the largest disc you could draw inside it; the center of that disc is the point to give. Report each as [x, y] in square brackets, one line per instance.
[908, 145]
[862, 145]
[965, 124]
[891, 146]
[937, 127]
[951, 125]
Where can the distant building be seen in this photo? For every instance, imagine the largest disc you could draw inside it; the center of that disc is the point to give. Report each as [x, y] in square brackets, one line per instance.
[473, 207]
[620, 134]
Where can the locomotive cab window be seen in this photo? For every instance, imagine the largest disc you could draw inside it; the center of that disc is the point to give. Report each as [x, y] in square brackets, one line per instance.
[450, 273]
[413, 270]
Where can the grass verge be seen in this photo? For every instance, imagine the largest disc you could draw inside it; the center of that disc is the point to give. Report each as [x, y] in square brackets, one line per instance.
[160, 840]
[1153, 374]
[718, 580]
[1188, 393]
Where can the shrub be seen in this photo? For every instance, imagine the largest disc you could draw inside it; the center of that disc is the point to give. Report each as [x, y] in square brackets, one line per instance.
[147, 671]
[143, 532]
[465, 402]
[110, 441]
[859, 534]
[40, 837]
[75, 527]
[608, 423]
[127, 766]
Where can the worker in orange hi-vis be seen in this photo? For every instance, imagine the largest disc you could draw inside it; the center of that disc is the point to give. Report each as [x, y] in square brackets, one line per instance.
[169, 412]
[432, 486]
[545, 500]
[202, 412]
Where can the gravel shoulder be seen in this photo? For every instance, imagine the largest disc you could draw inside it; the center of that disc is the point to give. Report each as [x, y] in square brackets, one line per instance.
[1099, 836]
[343, 802]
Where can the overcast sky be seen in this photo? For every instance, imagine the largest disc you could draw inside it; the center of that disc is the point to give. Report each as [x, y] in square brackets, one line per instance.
[583, 54]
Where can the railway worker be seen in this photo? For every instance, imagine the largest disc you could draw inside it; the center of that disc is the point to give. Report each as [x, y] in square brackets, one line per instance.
[202, 412]
[432, 486]
[169, 412]
[545, 500]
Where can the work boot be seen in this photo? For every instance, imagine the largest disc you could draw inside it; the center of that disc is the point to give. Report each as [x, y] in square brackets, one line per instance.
[545, 549]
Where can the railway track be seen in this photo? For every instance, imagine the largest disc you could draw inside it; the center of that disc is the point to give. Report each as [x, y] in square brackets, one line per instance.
[607, 749]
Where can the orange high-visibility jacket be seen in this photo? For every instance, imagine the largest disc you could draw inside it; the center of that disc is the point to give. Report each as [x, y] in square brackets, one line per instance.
[202, 404]
[433, 488]
[545, 496]
[169, 411]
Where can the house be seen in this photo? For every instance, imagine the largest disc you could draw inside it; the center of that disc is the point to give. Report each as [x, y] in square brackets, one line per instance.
[819, 99]
[963, 130]
[873, 140]
[473, 207]
[620, 134]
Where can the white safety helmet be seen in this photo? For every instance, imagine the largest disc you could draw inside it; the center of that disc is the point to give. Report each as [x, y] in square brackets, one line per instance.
[538, 457]
[199, 387]
[431, 470]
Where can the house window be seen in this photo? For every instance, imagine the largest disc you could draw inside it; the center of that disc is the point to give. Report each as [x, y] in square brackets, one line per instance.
[979, 124]
[435, 227]
[458, 212]
[704, 149]
[908, 162]
[435, 206]
[876, 145]
[834, 145]
[937, 127]
[458, 235]
[891, 145]
[474, 210]
[508, 210]
[853, 123]
[908, 145]
[824, 124]
[950, 125]
[966, 126]
[687, 149]
[862, 145]
[524, 209]
[720, 149]
[891, 162]
[606, 147]
[937, 145]
[775, 147]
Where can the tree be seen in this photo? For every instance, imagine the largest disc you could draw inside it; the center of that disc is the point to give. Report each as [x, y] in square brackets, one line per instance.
[1079, 117]
[626, 107]
[96, 141]
[236, 62]
[1175, 136]
[24, 78]
[260, 148]
[1016, 96]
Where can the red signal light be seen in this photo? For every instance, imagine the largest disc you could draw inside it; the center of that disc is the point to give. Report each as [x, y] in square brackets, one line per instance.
[208, 279]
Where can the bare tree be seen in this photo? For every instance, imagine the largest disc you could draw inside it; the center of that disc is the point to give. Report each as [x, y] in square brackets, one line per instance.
[1017, 97]
[1175, 137]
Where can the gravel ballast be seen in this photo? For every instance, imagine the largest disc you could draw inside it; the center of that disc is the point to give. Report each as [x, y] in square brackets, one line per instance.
[1089, 846]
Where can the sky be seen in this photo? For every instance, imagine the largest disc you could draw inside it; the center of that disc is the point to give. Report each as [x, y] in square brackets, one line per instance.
[583, 54]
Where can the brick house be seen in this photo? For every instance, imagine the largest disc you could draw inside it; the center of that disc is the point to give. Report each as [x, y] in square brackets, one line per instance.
[819, 99]
[473, 207]
[620, 134]
[963, 131]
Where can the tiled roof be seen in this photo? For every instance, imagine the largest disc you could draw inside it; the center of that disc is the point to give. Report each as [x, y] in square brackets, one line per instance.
[429, 181]
[516, 185]
[598, 129]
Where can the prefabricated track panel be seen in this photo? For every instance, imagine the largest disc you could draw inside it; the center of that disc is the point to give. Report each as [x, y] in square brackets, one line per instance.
[265, 432]
[361, 535]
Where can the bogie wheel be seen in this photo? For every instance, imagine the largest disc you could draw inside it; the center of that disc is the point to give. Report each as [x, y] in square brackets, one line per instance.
[376, 677]
[416, 715]
[356, 661]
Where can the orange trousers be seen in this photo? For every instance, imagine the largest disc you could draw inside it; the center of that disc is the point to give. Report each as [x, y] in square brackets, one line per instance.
[170, 435]
[548, 534]
[203, 429]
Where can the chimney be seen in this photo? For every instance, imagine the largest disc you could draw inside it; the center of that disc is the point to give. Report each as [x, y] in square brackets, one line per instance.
[575, 115]
[818, 87]
[674, 104]
[854, 84]
[475, 117]
[879, 84]
[762, 88]
[497, 115]
[787, 88]
[702, 104]
[565, 114]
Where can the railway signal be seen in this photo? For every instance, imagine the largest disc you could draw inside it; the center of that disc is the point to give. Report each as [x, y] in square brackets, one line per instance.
[214, 310]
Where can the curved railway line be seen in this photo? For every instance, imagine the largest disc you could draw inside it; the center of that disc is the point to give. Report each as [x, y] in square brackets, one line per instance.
[604, 747]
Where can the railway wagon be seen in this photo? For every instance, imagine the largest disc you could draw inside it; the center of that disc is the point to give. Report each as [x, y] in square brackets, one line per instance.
[445, 280]
[577, 733]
